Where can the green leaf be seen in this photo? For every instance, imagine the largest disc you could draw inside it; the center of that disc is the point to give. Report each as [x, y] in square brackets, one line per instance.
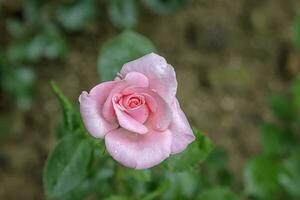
[217, 193]
[32, 10]
[215, 170]
[275, 141]
[15, 27]
[49, 44]
[117, 197]
[180, 185]
[80, 192]
[195, 153]
[77, 15]
[72, 120]
[157, 193]
[296, 91]
[66, 166]
[261, 178]
[19, 83]
[296, 31]
[123, 14]
[120, 50]
[165, 6]
[289, 176]
[282, 108]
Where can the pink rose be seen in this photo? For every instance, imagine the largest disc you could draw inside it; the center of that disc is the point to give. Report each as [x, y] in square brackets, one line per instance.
[138, 114]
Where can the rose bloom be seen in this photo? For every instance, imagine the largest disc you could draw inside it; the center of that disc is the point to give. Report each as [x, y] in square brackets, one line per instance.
[138, 114]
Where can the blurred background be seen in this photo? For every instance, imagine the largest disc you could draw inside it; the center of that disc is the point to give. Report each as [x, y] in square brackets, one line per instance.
[231, 58]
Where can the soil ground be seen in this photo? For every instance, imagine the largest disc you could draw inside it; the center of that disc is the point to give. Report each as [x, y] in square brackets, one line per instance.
[229, 56]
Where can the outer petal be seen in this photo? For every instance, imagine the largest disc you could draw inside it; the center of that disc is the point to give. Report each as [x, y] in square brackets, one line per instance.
[127, 122]
[90, 109]
[137, 79]
[181, 131]
[161, 75]
[161, 118]
[138, 151]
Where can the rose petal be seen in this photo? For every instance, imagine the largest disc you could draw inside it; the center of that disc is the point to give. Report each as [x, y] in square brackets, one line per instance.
[138, 151]
[127, 122]
[140, 113]
[90, 107]
[181, 131]
[161, 119]
[133, 78]
[108, 111]
[161, 75]
[137, 79]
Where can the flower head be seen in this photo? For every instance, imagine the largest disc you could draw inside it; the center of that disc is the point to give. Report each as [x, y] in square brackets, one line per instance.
[138, 114]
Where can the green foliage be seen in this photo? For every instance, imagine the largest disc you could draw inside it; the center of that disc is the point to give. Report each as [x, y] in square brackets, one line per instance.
[296, 92]
[215, 171]
[282, 108]
[165, 6]
[71, 119]
[275, 141]
[196, 152]
[296, 32]
[217, 193]
[66, 166]
[123, 14]
[77, 14]
[121, 50]
[78, 193]
[289, 176]
[261, 178]
[117, 197]
[18, 83]
[49, 44]
[275, 174]
[181, 185]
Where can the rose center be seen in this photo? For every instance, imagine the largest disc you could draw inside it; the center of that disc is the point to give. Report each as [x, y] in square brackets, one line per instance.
[134, 102]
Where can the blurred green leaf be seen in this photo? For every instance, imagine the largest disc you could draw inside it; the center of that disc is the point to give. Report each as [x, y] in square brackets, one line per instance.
[296, 31]
[180, 185]
[5, 126]
[120, 50]
[49, 44]
[165, 6]
[117, 197]
[19, 83]
[157, 193]
[296, 91]
[282, 108]
[17, 51]
[123, 14]
[15, 27]
[32, 10]
[275, 141]
[136, 181]
[77, 14]
[289, 176]
[217, 193]
[72, 119]
[66, 166]
[215, 169]
[261, 178]
[78, 193]
[195, 153]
